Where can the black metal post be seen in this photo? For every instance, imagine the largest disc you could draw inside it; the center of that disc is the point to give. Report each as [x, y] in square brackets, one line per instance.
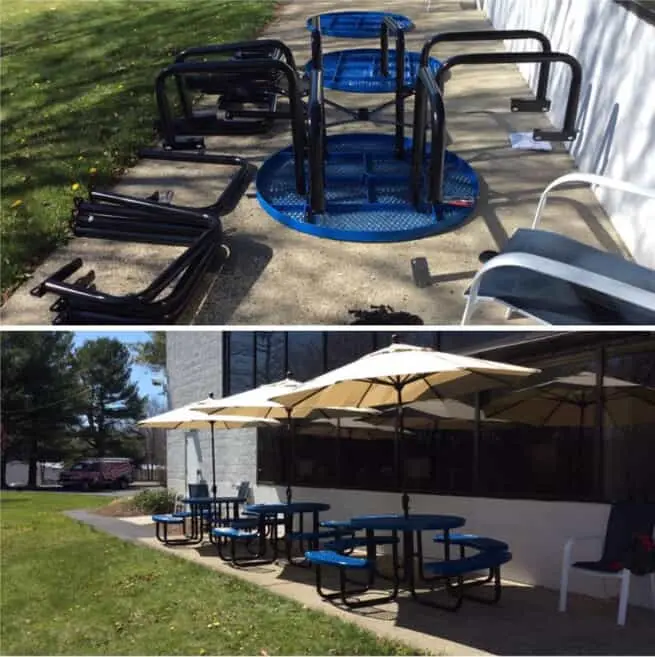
[542, 103]
[568, 131]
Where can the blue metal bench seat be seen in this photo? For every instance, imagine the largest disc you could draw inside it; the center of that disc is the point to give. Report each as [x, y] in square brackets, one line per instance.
[453, 572]
[344, 544]
[473, 541]
[234, 533]
[330, 558]
[312, 536]
[162, 522]
[457, 567]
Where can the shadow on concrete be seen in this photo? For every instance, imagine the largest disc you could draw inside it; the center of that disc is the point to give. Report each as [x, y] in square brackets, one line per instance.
[524, 622]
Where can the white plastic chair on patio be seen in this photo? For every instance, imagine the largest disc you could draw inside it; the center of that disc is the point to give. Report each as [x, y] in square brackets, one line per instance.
[625, 520]
[557, 280]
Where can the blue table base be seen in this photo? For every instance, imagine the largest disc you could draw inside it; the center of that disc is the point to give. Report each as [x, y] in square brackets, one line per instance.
[367, 192]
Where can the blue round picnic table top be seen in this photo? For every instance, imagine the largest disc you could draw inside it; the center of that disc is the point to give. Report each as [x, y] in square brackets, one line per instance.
[212, 500]
[413, 522]
[284, 507]
[357, 24]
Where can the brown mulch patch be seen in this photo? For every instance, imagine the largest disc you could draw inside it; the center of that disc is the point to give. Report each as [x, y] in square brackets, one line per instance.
[119, 508]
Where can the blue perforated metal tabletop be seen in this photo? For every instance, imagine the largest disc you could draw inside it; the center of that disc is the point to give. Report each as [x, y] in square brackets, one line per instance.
[367, 192]
[360, 70]
[357, 24]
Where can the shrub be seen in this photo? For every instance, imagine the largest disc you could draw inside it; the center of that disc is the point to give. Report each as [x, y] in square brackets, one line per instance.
[154, 501]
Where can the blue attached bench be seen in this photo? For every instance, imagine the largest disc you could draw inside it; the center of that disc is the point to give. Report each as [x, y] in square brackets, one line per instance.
[162, 522]
[243, 532]
[473, 541]
[455, 569]
[344, 563]
[345, 544]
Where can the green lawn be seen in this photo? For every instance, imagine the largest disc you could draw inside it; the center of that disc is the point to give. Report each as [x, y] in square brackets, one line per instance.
[76, 98]
[67, 589]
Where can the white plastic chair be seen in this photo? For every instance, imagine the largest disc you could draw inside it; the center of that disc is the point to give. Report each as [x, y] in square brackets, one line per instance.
[624, 519]
[566, 272]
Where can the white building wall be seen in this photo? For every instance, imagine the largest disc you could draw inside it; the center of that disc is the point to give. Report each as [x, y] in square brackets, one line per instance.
[617, 111]
[536, 531]
[194, 364]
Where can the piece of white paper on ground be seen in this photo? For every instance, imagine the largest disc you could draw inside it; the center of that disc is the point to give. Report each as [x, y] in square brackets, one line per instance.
[525, 141]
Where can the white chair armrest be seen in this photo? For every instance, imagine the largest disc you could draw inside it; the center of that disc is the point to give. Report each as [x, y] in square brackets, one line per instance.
[570, 543]
[590, 179]
[563, 271]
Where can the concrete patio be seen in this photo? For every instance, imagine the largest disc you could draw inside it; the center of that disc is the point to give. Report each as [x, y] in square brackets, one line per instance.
[279, 276]
[524, 622]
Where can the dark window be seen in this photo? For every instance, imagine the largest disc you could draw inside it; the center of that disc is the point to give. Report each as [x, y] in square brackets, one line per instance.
[270, 357]
[598, 458]
[306, 354]
[241, 363]
[628, 427]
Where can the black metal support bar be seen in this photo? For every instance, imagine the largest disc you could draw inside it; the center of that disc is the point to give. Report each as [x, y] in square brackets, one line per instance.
[317, 45]
[391, 26]
[263, 49]
[254, 69]
[255, 47]
[316, 139]
[568, 131]
[541, 104]
[428, 90]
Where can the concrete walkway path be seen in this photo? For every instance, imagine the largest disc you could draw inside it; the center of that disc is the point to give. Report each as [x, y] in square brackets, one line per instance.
[278, 276]
[525, 622]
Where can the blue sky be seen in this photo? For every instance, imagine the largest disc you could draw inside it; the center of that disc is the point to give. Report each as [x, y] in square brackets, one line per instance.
[140, 375]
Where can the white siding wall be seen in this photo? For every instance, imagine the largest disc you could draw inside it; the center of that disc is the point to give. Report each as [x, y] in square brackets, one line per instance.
[617, 115]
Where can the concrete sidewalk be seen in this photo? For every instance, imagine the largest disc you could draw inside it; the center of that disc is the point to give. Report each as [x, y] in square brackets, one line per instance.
[279, 276]
[525, 622]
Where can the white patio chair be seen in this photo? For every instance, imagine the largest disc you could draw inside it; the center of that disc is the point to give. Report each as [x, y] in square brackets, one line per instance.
[557, 280]
[625, 520]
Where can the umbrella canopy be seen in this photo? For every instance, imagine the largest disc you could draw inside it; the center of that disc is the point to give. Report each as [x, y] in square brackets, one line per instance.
[421, 420]
[571, 401]
[399, 374]
[348, 428]
[187, 418]
[257, 402]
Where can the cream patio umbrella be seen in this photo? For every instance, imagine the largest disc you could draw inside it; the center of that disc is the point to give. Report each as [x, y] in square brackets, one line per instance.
[258, 402]
[187, 418]
[571, 401]
[401, 374]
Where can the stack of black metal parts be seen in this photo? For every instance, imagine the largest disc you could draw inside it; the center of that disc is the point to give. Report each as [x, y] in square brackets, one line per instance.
[247, 78]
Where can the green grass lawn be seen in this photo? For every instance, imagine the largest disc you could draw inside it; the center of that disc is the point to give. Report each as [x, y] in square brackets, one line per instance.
[77, 100]
[67, 589]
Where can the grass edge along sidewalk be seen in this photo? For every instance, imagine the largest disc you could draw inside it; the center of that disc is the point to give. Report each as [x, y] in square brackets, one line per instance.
[77, 91]
[68, 589]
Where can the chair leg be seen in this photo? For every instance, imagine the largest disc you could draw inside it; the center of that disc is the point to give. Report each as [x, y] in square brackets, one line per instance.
[564, 582]
[624, 596]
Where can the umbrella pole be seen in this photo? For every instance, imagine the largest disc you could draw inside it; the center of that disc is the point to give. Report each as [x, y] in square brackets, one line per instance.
[289, 492]
[400, 430]
[211, 424]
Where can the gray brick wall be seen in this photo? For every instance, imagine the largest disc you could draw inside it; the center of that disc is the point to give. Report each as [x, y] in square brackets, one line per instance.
[194, 362]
